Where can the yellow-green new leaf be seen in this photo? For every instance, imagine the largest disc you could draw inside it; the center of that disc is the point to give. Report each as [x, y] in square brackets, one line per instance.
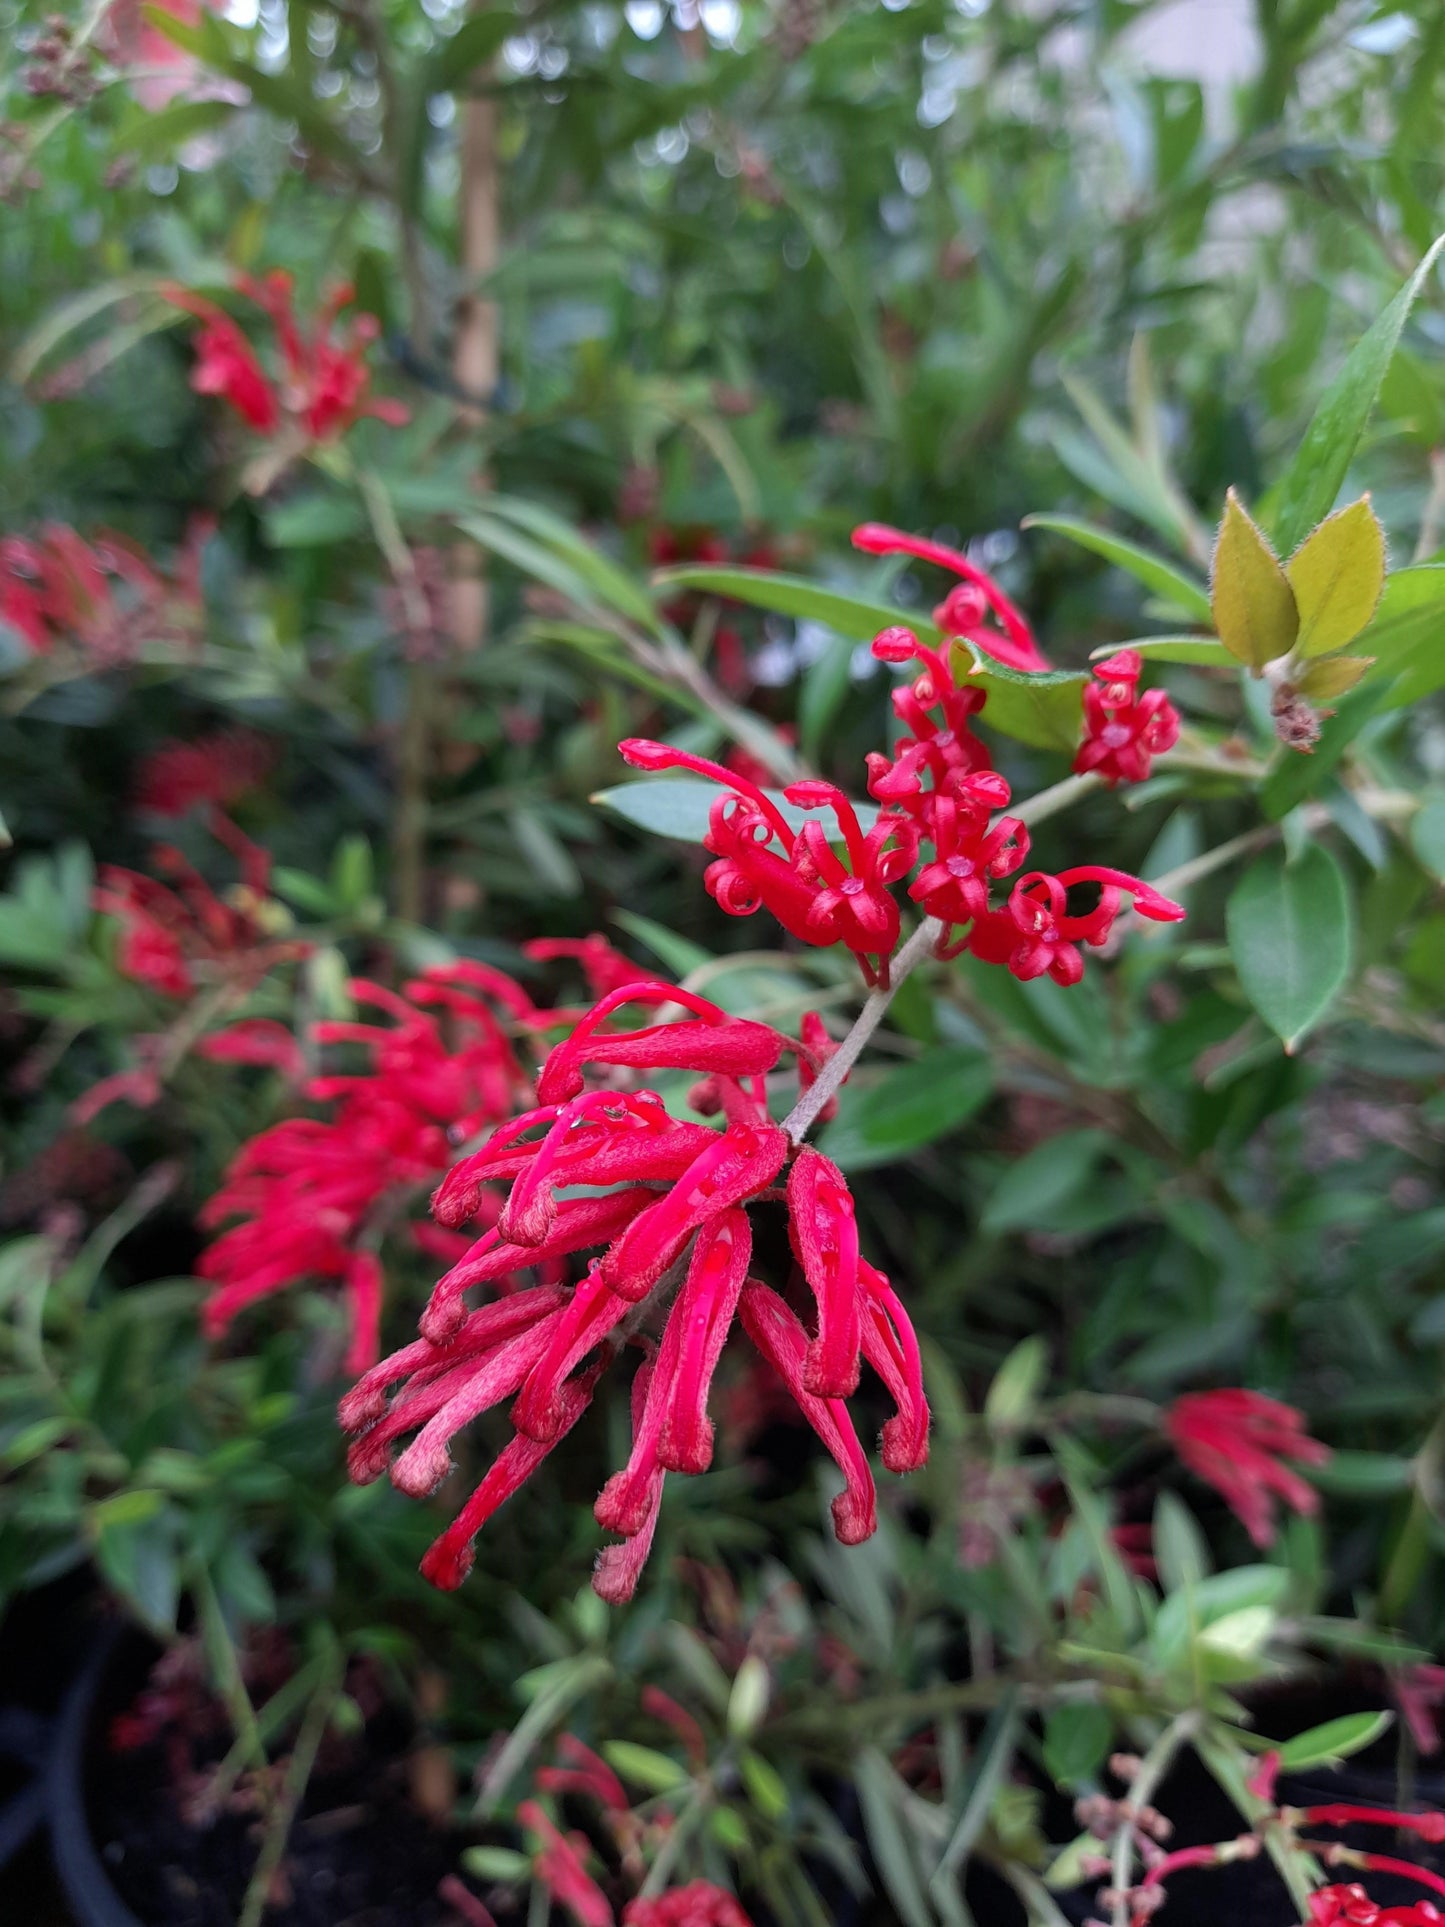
[1321, 682]
[1337, 574]
[1253, 603]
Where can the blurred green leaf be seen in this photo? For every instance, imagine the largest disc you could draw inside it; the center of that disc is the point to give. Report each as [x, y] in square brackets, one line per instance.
[1163, 577]
[1290, 934]
[881, 1121]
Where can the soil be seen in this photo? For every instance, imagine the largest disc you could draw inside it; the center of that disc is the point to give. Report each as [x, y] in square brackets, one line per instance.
[359, 1853]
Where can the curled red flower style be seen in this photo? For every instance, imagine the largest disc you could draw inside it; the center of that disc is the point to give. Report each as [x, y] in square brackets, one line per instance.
[802, 882]
[1124, 731]
[1238, 1441]
[324, 383]
[678, 1222]
[946, 752]
[1035, 934]
[977, 609]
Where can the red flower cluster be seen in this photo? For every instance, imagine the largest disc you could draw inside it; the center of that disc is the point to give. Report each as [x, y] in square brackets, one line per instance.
[699, 1904]
[1352, 1907]
[177, 935]
[324, 382]
[812, 893]
[315, 1194]
[1124, 731]
[217, 769]
[1237, 1441]
[938, 788]
[105, 596]
[977, 610]
[666, 1199]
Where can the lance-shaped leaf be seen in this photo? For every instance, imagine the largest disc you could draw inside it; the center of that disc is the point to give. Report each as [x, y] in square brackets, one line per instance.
[1337, 574]
[1253, 603]
[1321, 682]
[1289, 931]
[1314, 478]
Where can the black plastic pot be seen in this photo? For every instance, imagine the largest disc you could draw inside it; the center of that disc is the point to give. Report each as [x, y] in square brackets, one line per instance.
[79, 1868]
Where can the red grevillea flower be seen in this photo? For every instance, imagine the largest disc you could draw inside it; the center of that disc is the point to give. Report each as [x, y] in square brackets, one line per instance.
[177, 935]
[217, 769]
[1124, 731]
[1237, 1441]
[324, 381]
[970, 853]
[945, 752]
[1352, 1907]
[802, 882]
[1034, 935]
[665, 1205]
[604, 967]
[977, 609]
[314, 1195]
[699, 1904]
[104, 598]
[561, 1866]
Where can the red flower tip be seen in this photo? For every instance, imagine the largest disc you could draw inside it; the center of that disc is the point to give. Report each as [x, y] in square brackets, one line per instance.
[896, 644]
[1237, 1441]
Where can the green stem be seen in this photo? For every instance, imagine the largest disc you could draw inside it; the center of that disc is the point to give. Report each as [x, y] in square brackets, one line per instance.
[293, 1789]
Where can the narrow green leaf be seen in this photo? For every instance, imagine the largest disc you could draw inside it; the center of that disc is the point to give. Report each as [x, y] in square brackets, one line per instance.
[1337, 574]
[1427, 832]
[644, 1766]
[1205, 651]
[1332, 1743]
[878, 1794]
[881, 1122]
[680, 954]
[858, 617]
[1315, 476]
[1253, 604]
[1186, 592]
[1290, 935]
[1043, 1178]
[473, 44]
[678, 806]
[1017, 1383]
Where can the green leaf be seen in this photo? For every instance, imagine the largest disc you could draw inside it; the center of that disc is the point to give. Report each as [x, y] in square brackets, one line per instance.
[1043, 1178]
[1250, 596]
[475, 42]
[880, 1794]
[1017, 1383]
[1076, 1738]
[678, 806]
[681, 955]
[644, 1766]
[158, 134]
[858, 617]
[1337, 574]
[825, 686]
[1290, 935]
[1205, 651]
[1045, 711]
[1181, 1549]
[1184, 591]
[1332, 676]
[765, 1786]
[1332, 1743]
[881, 1122]
[1315, 476]
[1427, 832]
